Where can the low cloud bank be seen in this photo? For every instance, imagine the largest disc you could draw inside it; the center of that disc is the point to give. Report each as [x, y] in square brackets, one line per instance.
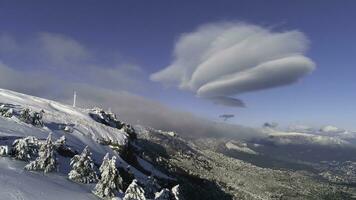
[62, 65]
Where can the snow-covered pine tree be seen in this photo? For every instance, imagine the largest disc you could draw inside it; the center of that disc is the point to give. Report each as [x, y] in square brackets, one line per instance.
[6, 111]
[46, 160]
[134, 192]
[177, 193]
[110, 181]
[164, 194]
[104, 164]
[61, 142]
[83, 168]
[9, 113]
[37, 118]
[4, 150]
[151, 187]
[25, 148]
[25, 115]
[3, 109]
[34, 118]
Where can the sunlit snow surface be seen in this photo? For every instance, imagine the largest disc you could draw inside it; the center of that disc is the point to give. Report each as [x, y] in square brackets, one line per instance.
[15, 183]
[19, 184]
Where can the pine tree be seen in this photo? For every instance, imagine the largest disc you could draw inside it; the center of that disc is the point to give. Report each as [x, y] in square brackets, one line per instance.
[177, 193]
[105, 163]
[134, 192]
[61, 142]
[164, 194]
[46, 160]
[3, 109]
[4, 150]
[83, 168]
[9, 113]
[151, 187]
[25, 115]
[25, 148]
[110, 181]
[37, 118]
[34, 118]
[6, 111]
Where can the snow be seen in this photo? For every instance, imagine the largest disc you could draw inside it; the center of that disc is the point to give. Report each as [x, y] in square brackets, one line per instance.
[85, 130]
[56, 113]
[16, 183]
[19, 184]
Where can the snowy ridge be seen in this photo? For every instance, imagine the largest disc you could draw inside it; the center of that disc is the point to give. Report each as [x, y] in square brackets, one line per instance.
[65, 114]
[81, 130]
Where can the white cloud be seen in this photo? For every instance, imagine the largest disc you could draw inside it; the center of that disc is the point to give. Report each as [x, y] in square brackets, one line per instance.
[219, 61]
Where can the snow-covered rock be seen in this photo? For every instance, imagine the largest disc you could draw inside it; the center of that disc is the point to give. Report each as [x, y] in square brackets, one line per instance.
[177, 193]
[164, 194]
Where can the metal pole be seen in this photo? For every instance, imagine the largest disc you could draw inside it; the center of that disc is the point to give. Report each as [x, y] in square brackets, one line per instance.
[74, 98]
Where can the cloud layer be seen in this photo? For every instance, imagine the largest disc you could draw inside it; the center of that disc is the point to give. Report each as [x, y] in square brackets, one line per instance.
[65, 58]
[52, 66]
[219, 61]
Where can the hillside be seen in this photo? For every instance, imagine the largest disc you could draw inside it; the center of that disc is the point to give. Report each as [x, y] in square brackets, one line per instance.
[199, 167]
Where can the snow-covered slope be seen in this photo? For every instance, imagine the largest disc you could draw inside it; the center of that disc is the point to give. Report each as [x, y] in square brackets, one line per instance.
[85, 129]
[18, 184]
[15, 183]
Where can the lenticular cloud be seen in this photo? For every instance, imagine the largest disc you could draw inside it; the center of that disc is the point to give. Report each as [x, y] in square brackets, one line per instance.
[220, 61]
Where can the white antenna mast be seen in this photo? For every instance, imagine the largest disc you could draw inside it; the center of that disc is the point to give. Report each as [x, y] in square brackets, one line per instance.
[74, 98]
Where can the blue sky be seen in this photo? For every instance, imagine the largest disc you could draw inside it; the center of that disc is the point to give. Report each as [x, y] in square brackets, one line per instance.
[144, 34]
